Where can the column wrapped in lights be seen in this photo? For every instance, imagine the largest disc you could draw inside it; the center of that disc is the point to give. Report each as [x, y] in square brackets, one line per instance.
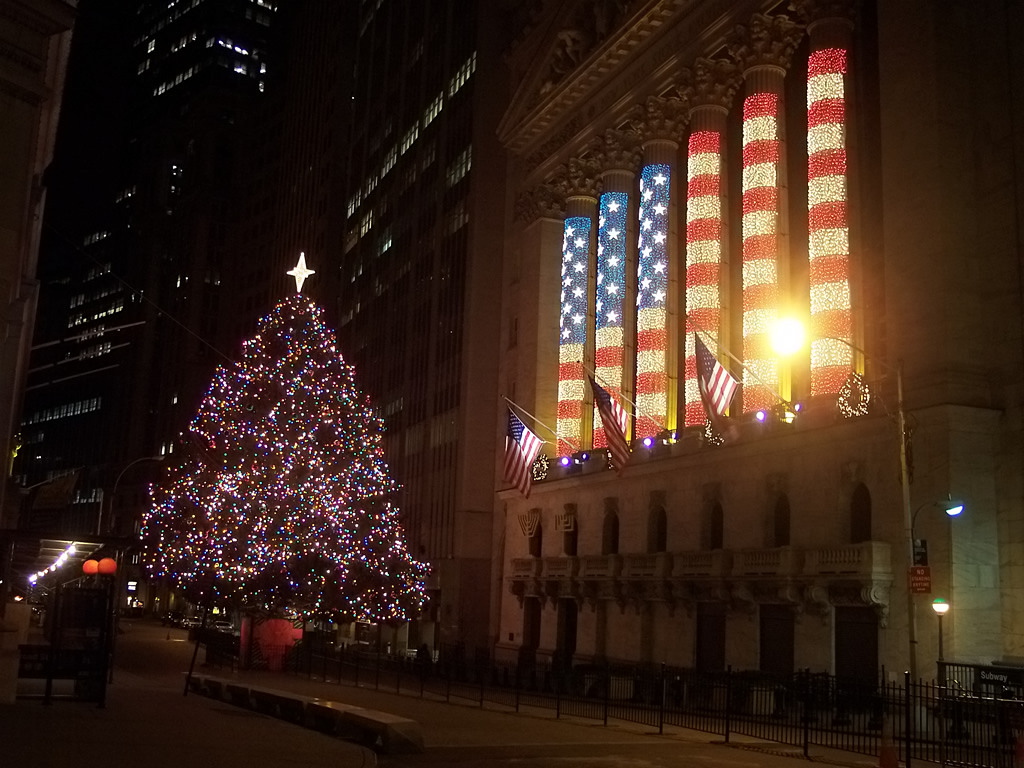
[760, 230]
[573, 327]
[651, 303]
[609, 301]
[703, 244]
[828, 226]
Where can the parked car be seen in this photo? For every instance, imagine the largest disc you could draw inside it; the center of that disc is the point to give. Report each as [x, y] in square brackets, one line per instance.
[173, 619]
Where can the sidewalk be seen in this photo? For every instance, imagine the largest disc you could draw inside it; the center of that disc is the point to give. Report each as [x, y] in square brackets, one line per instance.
[148, 721]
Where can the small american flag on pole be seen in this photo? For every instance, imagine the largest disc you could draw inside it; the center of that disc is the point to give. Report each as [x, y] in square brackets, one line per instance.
[716, 384]
[616, 424]
[521, 448]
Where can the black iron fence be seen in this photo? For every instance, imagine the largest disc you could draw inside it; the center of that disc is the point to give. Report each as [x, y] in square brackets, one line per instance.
[952, 723]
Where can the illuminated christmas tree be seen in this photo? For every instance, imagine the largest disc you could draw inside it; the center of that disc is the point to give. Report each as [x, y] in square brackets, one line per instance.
[279, 501]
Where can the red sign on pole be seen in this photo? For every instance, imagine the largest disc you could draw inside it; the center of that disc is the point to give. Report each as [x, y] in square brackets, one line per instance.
[920, 579]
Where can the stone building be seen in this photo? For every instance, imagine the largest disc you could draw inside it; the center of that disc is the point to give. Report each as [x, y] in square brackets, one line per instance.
[707, 169]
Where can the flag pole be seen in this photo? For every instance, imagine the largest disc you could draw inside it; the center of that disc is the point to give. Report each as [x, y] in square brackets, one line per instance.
[637, 411]
[722, 348]
[525, 412]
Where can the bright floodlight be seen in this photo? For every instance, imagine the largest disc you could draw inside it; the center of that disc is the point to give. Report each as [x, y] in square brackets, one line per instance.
[787, 336]
[954, 508]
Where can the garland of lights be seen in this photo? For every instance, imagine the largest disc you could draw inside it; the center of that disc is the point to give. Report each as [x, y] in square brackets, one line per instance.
[854, 397]
[540, 467]
[279, 501]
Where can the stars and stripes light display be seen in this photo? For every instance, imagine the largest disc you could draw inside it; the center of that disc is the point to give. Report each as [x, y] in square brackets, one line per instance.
[652, 312]
[573, 333]
[760, 246]
[829, 244]
[610, 299]
[703, 256]
[278, 502]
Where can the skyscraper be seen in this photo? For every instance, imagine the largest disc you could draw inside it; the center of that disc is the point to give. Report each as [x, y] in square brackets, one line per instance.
[418, 294]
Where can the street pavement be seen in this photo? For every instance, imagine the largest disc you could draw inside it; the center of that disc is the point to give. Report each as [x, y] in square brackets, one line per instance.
[148, 720]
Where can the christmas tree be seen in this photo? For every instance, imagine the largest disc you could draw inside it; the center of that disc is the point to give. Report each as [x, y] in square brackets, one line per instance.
[279, 502]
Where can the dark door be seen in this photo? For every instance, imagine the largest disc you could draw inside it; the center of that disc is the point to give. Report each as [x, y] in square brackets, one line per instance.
[710, 637]
[776, 639]
[856, 643]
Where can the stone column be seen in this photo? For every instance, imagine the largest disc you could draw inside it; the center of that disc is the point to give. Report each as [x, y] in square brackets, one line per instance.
[615, 323]
[533, 288]
[712, 86]
[832, 325]
[581, 185]
[763, 50]
[659, 253]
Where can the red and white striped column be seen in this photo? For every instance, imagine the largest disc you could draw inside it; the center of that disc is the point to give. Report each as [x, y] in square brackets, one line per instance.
[828, 250]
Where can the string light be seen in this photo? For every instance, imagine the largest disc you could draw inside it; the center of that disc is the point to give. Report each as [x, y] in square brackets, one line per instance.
[703, 255]
[279, 498]
[828, 230]
[572, 332]
[610, 299]
[651, 300]
[760, 240]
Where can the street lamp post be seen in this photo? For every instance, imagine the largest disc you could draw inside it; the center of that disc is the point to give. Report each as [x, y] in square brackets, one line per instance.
[113, 491]
[787, 337]
[941, 608]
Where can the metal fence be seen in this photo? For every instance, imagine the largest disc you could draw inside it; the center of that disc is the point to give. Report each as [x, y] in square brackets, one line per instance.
[951, 724]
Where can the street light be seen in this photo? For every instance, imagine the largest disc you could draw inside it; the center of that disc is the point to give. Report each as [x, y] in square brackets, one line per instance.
[941, 608]
[113, 491]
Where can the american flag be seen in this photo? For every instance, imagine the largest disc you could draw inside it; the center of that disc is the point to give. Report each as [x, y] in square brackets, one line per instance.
[651, 304]
[616, 423]
[521, 448]
[716, 385]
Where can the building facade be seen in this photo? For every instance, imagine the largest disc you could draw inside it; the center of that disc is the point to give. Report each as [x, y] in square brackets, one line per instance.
[687, 171]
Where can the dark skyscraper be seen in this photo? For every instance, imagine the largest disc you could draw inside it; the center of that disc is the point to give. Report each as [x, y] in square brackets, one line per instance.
[419, 288]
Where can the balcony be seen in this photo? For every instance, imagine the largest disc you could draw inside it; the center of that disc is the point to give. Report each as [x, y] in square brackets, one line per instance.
[779, 562]
[869, 559]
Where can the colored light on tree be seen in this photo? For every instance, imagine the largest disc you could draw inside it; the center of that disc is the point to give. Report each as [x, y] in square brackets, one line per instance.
[651, 301]
[609, 303]
[279, 500]
[572, 332]
[828, 229]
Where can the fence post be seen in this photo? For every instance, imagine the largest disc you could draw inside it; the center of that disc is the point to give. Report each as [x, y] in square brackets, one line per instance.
[808, 709]
[517, 674]
[558, 692]
[483, 676]
[607, 690]
[661, 707]
[728, 701]
[908, 718]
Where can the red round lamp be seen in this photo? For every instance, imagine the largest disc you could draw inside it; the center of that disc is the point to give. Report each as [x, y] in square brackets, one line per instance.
[108, 566]
[90, 567]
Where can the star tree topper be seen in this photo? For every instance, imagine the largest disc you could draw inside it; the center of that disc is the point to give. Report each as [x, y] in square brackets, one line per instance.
[300, 273]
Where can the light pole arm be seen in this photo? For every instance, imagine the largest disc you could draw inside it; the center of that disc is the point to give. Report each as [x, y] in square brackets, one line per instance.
[113, 491]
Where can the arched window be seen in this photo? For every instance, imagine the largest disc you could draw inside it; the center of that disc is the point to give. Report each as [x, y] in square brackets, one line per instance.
[860, 514]
[657, 530]
[610, 533]
[780, 521]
